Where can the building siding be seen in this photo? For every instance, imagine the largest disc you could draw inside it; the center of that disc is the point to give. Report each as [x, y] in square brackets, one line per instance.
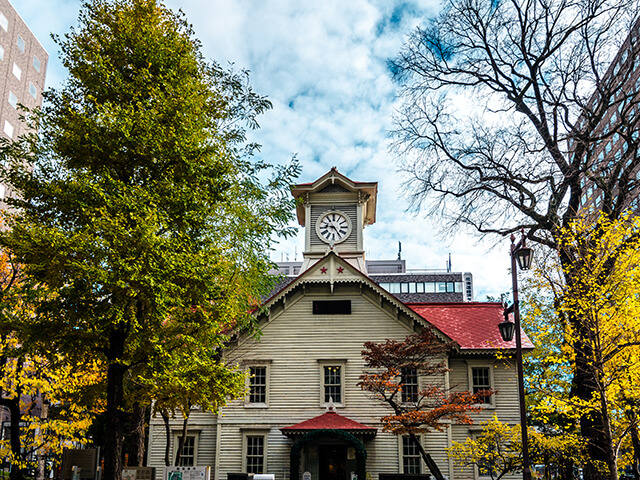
[293, 344]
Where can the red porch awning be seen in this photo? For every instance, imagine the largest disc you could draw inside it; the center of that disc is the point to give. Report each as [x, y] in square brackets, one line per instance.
[329, 421]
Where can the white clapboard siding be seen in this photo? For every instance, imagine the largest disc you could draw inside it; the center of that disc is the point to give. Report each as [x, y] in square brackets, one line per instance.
[293, 345]
[201, 424]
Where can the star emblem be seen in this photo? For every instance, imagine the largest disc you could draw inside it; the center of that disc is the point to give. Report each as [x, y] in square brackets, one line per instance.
[323, 270]
[340, 269]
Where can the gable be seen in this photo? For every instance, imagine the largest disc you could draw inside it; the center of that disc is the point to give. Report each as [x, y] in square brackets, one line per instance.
[334, 278]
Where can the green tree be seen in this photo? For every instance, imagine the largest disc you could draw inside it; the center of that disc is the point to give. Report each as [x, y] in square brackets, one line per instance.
[144, 203]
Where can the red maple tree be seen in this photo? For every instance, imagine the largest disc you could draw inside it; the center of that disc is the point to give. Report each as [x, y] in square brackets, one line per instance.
[419, 406]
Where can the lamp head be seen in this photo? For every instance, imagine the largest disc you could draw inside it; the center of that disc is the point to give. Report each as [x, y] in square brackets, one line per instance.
[524, 255]
[507, 330]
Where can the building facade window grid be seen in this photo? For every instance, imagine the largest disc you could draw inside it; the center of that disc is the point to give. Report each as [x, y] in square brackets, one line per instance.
[422, 287]
[332, 383]
[255, 454]
[258, 384]
[410, 456]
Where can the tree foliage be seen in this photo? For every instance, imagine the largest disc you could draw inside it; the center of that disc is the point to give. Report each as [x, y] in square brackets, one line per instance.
[432, 407]
[497, 451]
[144, 213]
[41, 395]
[604, 294]
[509, 111]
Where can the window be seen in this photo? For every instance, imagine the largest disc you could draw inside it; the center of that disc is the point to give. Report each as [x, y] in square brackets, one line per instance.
[255, 453]
[1, 53]
[36, 63]
[331, 307]
[258, 384]
[481, 380]
[332, 383]
[16, 71]
[409, 385]
[410, 456]
[2, 190]
[188, 455]
[13, 100]
[485, 468]
[20, 43]
[4, 22]
[32, 90]
[8, 129]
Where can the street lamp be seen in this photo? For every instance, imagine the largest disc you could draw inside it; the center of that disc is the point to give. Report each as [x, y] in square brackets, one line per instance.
[521, 254]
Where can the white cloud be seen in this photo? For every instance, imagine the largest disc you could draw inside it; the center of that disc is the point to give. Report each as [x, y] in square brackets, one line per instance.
[323, 65]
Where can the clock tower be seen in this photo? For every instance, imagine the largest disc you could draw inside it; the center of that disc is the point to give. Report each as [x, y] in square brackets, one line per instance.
[334, 211]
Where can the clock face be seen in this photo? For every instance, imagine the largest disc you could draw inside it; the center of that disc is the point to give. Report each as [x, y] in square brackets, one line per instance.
[333, 227]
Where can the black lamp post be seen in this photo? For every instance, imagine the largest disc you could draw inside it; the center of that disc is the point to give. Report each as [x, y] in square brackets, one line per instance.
[523, 255]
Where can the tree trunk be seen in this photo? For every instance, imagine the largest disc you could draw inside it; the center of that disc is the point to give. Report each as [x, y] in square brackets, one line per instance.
[600, 447]
[14, 428]
[167, 445]
[182, 439]
[635, 441]
[431, 464]
[138, 435]
[114, 438]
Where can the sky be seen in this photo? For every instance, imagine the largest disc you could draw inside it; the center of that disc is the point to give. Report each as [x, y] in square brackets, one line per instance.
[323, 65]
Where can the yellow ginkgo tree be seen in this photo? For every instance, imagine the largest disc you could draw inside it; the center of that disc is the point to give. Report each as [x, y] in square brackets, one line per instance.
[43, 395]
[605, 293]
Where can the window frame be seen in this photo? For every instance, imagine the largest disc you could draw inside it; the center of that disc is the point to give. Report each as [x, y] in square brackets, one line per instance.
[21, 43]
[321, 371]
[248, 365]
[404, 395]
[489, 367]
[16, 71]
[245, 448]
[415, 455]
[476, 468]
[176, 440]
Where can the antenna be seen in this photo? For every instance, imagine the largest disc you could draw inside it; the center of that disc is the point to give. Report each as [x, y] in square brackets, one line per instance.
[399, 250]
[449, 264]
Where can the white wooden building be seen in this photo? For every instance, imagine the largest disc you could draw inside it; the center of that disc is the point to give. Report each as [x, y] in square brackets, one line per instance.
[303, 408]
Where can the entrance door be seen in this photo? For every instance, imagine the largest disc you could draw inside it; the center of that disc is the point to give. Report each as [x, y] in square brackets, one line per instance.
[333, 462]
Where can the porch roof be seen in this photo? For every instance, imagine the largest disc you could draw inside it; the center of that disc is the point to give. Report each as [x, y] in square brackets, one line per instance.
[329, 421]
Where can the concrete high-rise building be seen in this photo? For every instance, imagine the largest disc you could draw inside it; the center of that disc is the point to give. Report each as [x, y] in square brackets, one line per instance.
[23, 67]
[616, 106]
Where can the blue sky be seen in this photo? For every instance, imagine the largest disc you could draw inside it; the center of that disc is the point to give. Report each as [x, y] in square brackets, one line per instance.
[323, 65]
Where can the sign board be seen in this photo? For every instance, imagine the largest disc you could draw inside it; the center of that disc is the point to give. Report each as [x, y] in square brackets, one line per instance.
[84, 459]
[138, 473]
[188, 473]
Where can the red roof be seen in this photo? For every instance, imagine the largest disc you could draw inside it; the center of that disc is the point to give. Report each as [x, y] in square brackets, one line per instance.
[330, 421]
[473, 325]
